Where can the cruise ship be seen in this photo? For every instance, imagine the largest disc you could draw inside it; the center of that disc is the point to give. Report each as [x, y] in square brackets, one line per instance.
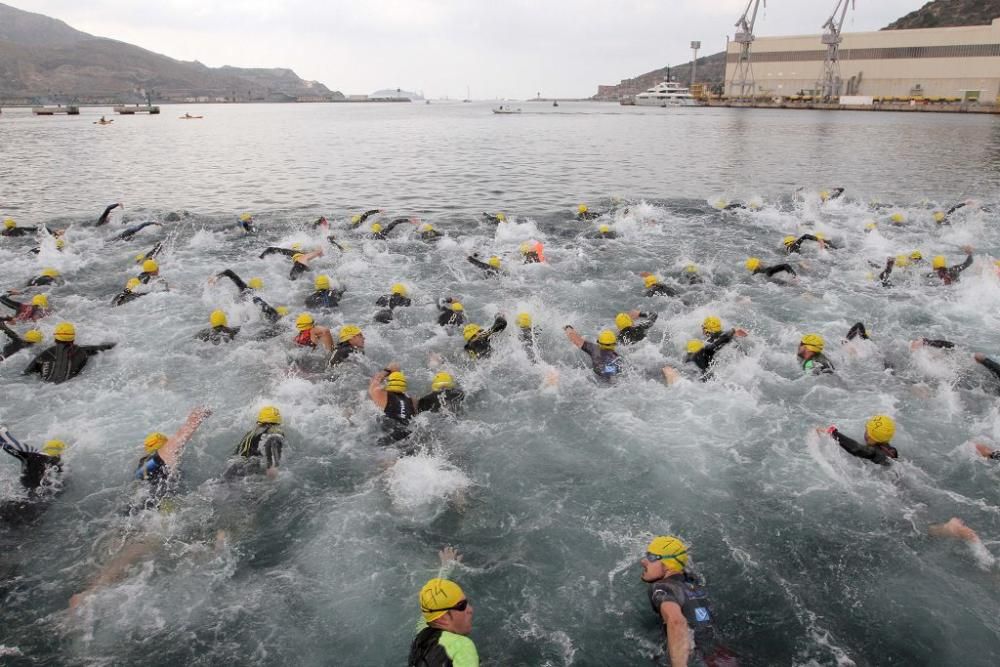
[666, 94]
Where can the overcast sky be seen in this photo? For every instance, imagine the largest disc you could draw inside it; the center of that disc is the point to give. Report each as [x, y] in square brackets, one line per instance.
[505, 48]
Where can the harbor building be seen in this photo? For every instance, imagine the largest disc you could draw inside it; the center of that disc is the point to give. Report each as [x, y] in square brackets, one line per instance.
[934, 64]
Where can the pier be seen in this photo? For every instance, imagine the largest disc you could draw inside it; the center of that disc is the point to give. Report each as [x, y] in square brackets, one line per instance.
[52, 111]
[131, 111]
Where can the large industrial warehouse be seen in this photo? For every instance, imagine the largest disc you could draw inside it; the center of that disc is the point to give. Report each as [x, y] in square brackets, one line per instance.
[935, 64]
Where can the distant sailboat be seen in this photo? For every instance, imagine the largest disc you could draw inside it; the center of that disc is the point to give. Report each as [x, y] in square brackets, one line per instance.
[468, 96]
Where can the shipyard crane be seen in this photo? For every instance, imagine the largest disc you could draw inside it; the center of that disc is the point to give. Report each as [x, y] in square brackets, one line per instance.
[829, 84]
[743, 74]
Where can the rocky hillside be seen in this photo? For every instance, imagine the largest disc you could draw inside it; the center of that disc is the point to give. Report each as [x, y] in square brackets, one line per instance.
[949, 13]
[45, 60]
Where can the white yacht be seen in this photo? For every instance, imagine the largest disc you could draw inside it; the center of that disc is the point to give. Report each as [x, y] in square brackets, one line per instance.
[666, 94]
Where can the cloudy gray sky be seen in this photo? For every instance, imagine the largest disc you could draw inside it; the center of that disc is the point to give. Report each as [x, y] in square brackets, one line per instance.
[508, 48]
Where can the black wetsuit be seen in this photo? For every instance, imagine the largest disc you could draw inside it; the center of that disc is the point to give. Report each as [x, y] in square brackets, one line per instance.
[216, 335]
[991, 366]
[944, 344]
[588, 215]
[495, 219]
[103, 220]
[325, 299]
[688, 592]
[321, 222]
[381, 235]
[247, 226]
[692, 278]
[659, 289]
[399, 410]
[796, 245]
[857, 330]
[887, 272]
[479, 345]
[605, 235]
[132, 231]
[390, 302]
[63, 361]
[298, 268]
[264, 441]
[881, 454]
[528, 337]
[152, 253]
[41, 281]
[606, 364]
[437, 400]
[34, 465]
[637, 331]
[269, 313]
[835, 194]
[14, 232]
[16, 343]
[343, 351]
[364, 216]
[126, 296]
[274, 250]
[449, 317]
[950, 274]
[491, 271]
[531, 257]
[944, 220]
[817, 364]
[430, 235]
[770, 271]
[703, 358]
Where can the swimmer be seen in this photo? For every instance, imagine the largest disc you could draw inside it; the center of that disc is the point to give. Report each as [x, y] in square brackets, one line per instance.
[324, 298]
[443, 639]
[987, 453]
[130, 293]
[495, 218]
[310, 334]
[135, 229]
[248, 291]
[142, 257]
[604, 360]
[680, 600]
[260, 449]
[528, 334]
[702, 355]
[246, 224]
[490, 267]
[380, 233]
[691, 275]
[276, 250]
[321, 222]
[605, 232]
[37, 467]
[358, 220]
[11, 230]
[444, 394]
[477, 339]
[810, 353]
[60, 246]
[150, 274]
[163, 453]
[428, 233]
[530, 254]
[584, 213]
[25, 312]
[350, 341]
[654, 287]
[878, 434]
[397, 298]
[883, 277]
[858, 330]
[630, 330]
[103, 220]
[793, 244]
[300, 263]
[65, 359]
[17, 343]
[711, 329]
[754, 267]
[941, 217]
[397, 407]
[218, 331]
[48, 276]
[949, 275]
[990, 365]
[452, 313]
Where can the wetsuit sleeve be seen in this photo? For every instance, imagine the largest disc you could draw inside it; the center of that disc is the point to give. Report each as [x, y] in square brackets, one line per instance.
[499, 324]
[103, 220]
[382, 301]
[14, 448]
[886, 272]
[91, 350]
[273, 444]
[931, 342]
[857, 330]
[228, 273]
[995, 456]
[588, 348]
[10, 333]
[35, 366]
[9, 302]
[955, 208]
[491, 218]
[155, 251]
[282, 251]
[427, 403]
[395, 223]
[955, 270]
[648, 322]
[771, 270]
[479, 264]
[853, 447]
[665, 593]
[270, 313]
[721, 341]
[993, 366]
[366, 214]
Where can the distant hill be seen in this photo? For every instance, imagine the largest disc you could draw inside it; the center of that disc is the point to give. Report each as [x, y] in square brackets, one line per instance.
[949, 13]
[45, 60]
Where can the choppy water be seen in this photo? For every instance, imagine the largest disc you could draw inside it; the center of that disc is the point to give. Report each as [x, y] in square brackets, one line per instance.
[551, 492]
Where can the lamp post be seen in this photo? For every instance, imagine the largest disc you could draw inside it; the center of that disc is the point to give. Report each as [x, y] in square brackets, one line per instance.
[694, 62]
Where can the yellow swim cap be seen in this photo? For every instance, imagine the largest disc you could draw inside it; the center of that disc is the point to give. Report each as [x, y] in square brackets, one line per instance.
[40, 300]
[824, 195]
[269, 415]
[870, 226]
[494, 261]
[694, 346]
[255, 283]
[376, 228]
[813, 342]
[456, 307]
[939, 216]
[582, 208]
[897, 217]
[916, 254]
[442, 381]
[296, 246]
[65, 332]
[438, 597]
[939, 262]
[524, 320]
[668, 548]
[426, 227]
[752, 264]
[623, 321]
[712, 324]
[347, 332]
[53, 447]
[297, 256]
[691, 268]
[50, 273]
[150, 266]
[607, 340]
[902, 261]
[396, 382]
[60, 244]
[880, 429]
[525, 248]
[604, 229]
[154, 441]
[788, 240]
[650, 281]
[304, 322]
[132, 284]
[720, 204]
[9, 223]
[33, 336]
[322, 282]
[470, 330]
[820, 235]
[217, 319]
[355, 219]
[399, 288]
[245, 217]
[282, 310]
[501, 217]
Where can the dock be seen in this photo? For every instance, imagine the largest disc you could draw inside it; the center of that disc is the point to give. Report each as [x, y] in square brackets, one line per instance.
[882, 106]
[131, 111]
[52, 111]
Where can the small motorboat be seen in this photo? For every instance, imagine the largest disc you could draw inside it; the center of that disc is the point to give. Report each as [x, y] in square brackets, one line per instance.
[188, 116]
[104, 121]
[555, 103]
[501, 110]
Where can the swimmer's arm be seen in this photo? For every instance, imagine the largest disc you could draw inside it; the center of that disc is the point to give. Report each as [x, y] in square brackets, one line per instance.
[376, 391]
[991, 365]
[677, 633]
[853, 447]
[573, 336]
[229, 273]
[104, 216]
[170, 450]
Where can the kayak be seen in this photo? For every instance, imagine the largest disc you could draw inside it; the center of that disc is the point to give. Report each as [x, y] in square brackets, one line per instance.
[190, 117]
